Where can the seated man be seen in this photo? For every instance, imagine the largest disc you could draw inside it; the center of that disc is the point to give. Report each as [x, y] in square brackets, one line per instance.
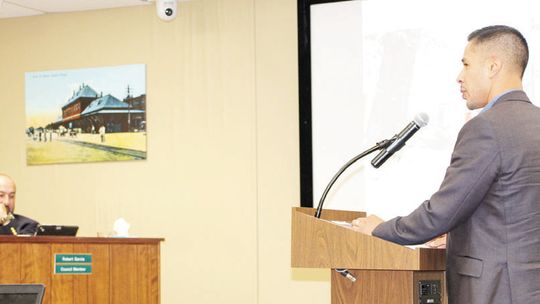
[11, 223]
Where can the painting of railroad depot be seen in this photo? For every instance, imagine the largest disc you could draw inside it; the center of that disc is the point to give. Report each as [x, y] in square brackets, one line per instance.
[86, 115]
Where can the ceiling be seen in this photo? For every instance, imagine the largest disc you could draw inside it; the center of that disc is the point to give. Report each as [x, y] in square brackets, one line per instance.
[22, 8]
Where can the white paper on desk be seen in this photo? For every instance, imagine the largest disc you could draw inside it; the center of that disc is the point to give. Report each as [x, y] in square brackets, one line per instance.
[417, 246]
[342, 223]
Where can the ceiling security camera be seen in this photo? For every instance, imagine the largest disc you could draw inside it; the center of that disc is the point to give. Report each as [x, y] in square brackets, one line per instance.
[166, 9]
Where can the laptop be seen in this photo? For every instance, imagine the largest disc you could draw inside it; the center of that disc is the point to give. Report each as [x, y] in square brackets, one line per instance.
[58, 230]
[21, 293]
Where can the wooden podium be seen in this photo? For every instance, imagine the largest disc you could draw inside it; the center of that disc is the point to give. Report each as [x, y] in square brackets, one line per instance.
[119, 270]
[386, 272]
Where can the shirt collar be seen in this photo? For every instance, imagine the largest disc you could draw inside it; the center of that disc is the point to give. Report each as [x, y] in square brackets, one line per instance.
[495, 99]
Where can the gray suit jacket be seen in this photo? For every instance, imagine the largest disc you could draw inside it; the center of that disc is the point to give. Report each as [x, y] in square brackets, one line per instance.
[489, 203]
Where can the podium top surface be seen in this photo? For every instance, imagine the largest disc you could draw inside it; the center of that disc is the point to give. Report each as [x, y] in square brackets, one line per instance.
[77, 240]
[323, 243]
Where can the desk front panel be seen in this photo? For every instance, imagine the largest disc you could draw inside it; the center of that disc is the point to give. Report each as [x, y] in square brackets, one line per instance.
[123, 271]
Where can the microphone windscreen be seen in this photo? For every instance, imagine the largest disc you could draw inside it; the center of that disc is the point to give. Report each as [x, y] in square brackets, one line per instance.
[421, 119]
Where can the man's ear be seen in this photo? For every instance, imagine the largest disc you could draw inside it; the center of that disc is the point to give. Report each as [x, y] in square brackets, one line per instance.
[494, 66]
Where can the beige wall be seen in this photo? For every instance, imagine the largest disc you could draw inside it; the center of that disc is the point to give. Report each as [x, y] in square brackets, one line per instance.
[222, 169]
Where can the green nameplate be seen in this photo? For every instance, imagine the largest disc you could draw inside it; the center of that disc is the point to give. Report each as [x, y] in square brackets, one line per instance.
[72, 263]
[71, 269]
[73, 258]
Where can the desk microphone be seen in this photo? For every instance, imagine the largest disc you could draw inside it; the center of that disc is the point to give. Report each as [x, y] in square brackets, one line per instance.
[398, 141]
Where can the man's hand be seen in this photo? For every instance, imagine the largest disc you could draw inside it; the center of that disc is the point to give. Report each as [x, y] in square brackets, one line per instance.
[438, 242]
[3, 214]
[366, 224]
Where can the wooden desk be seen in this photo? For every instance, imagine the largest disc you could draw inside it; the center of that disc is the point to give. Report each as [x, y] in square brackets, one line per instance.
[124, 270]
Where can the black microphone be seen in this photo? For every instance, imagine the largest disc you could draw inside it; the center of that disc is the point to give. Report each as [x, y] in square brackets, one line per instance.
[398, 141]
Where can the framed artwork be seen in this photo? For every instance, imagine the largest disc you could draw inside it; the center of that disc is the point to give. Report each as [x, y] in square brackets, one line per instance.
[86, 115]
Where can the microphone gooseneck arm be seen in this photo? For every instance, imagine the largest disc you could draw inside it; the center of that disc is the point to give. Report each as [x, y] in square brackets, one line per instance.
[380, 145]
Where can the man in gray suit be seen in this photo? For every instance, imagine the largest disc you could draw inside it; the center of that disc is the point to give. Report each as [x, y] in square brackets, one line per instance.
[489, 201]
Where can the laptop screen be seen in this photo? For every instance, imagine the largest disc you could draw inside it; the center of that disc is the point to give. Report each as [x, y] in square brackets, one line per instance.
[21, 293]
[59, 230]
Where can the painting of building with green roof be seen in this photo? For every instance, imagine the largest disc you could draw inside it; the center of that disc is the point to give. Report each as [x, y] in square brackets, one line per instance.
[86, 115]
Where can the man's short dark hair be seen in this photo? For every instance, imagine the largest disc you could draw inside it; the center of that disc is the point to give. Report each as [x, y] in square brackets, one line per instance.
[509, 38]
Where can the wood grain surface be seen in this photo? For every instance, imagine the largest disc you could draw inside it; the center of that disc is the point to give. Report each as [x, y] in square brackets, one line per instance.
[124, 270]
